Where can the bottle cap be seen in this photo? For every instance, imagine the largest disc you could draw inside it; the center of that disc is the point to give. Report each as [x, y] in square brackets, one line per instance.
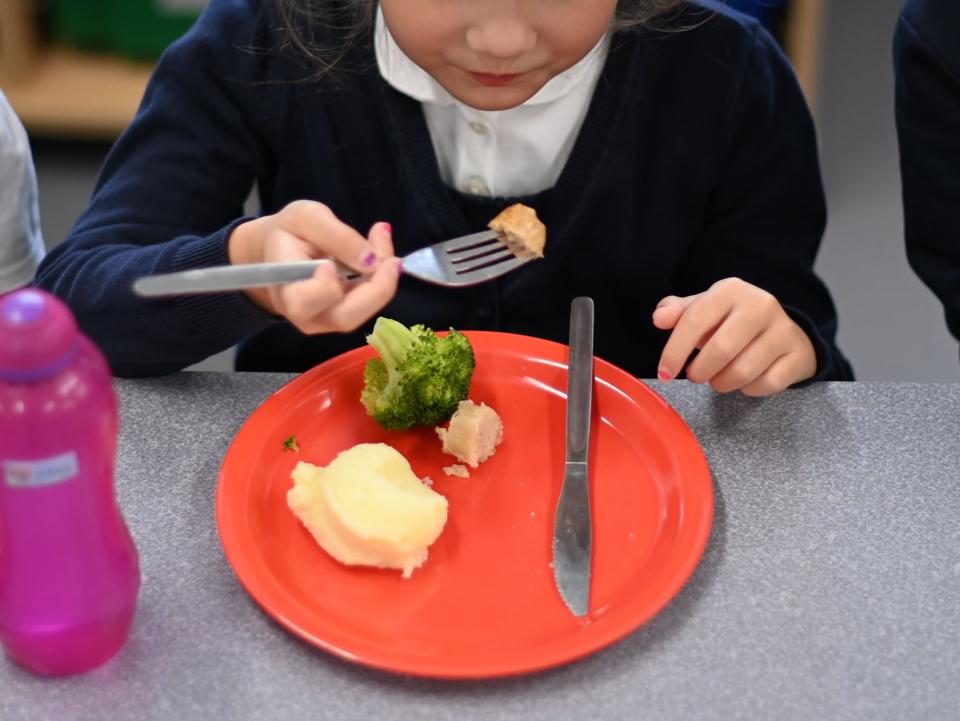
[38, 335]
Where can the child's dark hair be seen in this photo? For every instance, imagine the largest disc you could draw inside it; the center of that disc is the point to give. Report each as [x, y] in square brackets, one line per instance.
[306, 23]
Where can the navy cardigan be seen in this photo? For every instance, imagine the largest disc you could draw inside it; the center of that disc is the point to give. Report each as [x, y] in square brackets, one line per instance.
[697, 161]
[927, 60]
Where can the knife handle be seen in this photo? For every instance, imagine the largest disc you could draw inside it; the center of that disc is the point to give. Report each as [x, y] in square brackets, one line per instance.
[579, 379]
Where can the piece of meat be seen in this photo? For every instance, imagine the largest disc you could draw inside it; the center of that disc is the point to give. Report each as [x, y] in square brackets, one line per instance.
[523, 232]
[473, 434]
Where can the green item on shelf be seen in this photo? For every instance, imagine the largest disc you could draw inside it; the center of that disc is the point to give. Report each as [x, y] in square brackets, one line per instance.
[139, 29]
[81, 23]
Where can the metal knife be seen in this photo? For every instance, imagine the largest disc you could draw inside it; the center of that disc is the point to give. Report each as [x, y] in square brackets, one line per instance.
[227, 277]
[572, 534]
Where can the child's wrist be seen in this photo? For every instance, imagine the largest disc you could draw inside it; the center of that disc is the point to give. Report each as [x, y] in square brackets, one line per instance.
[240, 251]
[240, 244]
[809, 354]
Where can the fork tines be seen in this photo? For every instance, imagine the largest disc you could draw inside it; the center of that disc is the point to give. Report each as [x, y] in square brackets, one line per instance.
[476, 256]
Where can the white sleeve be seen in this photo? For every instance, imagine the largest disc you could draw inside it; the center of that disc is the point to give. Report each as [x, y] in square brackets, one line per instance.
[21, 242]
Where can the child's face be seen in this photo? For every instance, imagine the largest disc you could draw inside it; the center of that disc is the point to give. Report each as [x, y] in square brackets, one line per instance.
[496, 54]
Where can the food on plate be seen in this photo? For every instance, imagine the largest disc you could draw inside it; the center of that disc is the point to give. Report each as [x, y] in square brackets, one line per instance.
[457, 469]
[419, 378]
[473, 434]
[368, 508]
[525, 235]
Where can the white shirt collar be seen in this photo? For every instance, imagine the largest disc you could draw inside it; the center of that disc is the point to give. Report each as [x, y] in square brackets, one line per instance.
[514, 152]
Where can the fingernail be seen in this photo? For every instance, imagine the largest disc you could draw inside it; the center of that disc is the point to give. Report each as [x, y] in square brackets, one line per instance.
[398, 265]
[369, 260]
[663, 374]
[388, 228]
[661, 304]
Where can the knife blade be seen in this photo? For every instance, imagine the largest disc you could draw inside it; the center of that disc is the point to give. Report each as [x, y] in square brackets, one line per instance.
[572, 534]
[226, 278]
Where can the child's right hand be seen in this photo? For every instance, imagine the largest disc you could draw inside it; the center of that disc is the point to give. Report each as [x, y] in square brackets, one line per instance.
[746, 340]
[305, 230]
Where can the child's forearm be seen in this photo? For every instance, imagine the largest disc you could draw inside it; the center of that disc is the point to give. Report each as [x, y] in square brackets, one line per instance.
[94, 274]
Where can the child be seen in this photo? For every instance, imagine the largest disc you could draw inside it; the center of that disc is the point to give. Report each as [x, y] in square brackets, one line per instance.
[927, 58]
[21, 242]
[673, 162]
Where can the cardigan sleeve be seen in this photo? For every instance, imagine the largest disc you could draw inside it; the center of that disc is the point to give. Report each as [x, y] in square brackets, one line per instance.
[170, 192]
[767, 213]
[928, 128]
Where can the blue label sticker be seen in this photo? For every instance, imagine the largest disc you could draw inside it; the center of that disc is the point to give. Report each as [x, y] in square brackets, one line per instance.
[43, 472]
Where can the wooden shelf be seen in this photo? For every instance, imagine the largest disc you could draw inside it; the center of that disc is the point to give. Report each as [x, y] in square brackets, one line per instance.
[71, 94]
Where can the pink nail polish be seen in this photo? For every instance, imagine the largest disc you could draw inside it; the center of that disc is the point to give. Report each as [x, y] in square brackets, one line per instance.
[663, 374]
[398, 265]
[388, 228]
[369, 260]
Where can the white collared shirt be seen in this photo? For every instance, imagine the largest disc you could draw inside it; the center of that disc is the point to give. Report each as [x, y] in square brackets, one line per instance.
[519, 151]
[21, 244]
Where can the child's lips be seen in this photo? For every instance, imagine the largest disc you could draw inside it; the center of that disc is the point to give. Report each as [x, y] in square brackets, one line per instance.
[495, 79]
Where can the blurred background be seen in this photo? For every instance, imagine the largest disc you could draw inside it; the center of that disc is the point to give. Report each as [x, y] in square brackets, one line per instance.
[74, 70]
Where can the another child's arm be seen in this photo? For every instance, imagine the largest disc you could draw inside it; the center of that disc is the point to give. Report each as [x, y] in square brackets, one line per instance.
[748, 297]
[927, 63]
[21, 242]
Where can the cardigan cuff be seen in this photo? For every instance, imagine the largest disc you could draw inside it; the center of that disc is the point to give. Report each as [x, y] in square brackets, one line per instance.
[229, 315]
[821, 348]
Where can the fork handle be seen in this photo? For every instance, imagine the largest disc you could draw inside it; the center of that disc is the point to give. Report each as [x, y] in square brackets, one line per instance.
[224, 278]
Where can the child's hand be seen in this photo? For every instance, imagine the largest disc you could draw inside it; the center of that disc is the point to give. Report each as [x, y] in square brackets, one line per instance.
[747, 341]
[325, 303]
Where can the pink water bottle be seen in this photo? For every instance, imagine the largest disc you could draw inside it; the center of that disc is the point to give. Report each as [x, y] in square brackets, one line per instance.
[69, 572]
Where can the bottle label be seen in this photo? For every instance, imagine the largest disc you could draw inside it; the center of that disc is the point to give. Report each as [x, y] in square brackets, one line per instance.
[43, 472]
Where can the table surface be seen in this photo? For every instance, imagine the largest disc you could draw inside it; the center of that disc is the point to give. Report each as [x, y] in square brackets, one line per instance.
[830, 587]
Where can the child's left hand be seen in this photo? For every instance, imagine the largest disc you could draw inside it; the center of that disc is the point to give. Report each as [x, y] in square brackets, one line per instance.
[747, 341]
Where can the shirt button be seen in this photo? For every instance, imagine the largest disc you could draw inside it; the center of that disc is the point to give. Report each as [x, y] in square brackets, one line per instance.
[475, 186]
[479, 128]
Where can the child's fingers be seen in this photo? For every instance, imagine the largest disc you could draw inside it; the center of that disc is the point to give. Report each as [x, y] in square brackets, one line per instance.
[322, 304]
[748, 366]
[725, 347]
[365, 299]
[669, 310]
[784, 372]
[698, 322]
[280, 246]
[316, 224]
[303, 302]
[381, 240]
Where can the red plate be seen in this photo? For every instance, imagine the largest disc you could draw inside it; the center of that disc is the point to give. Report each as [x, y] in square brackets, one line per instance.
[484, 604]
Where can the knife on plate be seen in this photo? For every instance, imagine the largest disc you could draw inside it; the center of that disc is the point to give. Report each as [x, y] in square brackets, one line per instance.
[572, 534]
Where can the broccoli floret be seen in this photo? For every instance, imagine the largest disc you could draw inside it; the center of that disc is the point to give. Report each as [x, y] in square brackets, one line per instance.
[419, 378]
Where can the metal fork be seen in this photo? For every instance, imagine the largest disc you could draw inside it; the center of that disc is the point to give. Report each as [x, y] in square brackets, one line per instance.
[456, 263]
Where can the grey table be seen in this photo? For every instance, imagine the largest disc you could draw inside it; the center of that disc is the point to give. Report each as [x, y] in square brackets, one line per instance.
[830, 588]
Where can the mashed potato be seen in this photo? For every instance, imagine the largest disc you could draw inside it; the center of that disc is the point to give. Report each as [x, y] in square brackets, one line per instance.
[368, 508]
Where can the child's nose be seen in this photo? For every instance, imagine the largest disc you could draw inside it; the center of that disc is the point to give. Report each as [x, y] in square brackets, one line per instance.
[501, 37]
